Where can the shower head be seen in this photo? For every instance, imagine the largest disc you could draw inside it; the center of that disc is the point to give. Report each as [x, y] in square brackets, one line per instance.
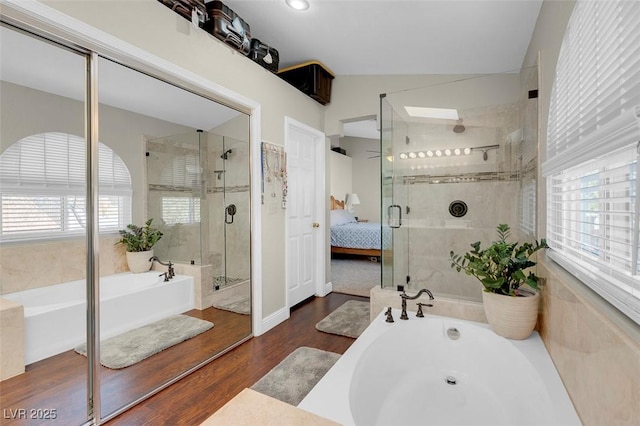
[225, 155]
[459, 127]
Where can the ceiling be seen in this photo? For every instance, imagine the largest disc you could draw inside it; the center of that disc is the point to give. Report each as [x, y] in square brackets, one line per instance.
[380, 37]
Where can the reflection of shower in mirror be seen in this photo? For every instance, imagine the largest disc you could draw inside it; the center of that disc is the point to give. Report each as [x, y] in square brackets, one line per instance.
[225, 155]
[219, 173]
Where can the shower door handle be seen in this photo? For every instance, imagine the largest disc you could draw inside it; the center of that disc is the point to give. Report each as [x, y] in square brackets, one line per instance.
[229, 212]
[390, 213]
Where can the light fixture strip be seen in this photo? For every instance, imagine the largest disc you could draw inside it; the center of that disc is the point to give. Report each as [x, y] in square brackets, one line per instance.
[447, 152]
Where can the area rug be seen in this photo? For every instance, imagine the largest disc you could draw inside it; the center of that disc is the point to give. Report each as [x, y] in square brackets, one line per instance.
[292, 379]
[140, 343]
[240, 305]
[355, 276]
[350, 319]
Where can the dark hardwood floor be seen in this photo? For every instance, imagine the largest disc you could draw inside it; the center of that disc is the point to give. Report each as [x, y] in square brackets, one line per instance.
[60, 382]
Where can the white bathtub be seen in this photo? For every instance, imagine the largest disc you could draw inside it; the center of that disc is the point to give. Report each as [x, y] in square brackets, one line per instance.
[55, 316]
[403, 373]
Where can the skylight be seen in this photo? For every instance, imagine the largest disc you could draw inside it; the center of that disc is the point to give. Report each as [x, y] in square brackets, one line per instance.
[426, 112]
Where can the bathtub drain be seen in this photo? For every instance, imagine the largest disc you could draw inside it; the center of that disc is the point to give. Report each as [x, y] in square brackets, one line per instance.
[453, 333]
[450, 380]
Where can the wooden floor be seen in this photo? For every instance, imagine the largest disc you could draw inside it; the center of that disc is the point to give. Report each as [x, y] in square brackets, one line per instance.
[60, 382]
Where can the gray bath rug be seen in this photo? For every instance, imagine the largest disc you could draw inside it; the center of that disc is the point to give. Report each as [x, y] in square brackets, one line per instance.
[240, 305]
[292, 379]
[135, 345]
[349, 320]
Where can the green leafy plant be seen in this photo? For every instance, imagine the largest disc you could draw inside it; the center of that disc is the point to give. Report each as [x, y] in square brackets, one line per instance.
[139, 238]
[501, 266]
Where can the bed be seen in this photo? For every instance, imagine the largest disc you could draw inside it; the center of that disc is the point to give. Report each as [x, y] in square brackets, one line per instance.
[348, 236]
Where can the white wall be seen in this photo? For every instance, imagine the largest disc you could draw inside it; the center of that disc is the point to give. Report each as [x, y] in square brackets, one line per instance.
[340, 172]
[365, 175]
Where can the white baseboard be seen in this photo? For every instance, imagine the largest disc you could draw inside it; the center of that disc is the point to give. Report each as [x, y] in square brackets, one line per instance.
[326, 289]
[274, 319]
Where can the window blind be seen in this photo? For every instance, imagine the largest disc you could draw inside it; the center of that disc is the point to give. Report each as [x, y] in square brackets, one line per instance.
[43, 187]
[593, 142]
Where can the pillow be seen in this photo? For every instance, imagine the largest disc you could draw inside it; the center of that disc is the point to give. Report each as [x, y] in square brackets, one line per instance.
[341, 217]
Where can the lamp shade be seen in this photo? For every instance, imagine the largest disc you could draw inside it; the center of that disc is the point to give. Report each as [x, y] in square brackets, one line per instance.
[353, 199]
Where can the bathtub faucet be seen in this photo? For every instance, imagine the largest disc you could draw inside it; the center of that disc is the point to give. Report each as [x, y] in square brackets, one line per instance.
[405, 297]
[170, 273]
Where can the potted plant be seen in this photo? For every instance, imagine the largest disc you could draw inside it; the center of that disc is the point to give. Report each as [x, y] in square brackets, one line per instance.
[139, 242]
[510, 295]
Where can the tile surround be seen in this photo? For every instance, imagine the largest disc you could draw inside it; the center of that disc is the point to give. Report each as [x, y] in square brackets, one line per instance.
[54, 263]
[11, 339]
[596, 354]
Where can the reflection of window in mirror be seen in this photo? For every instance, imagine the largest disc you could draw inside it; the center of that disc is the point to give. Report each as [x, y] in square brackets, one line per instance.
[43, 188]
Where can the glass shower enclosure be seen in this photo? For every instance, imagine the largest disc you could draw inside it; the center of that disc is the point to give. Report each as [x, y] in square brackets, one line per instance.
[458, 159]
[199, 189]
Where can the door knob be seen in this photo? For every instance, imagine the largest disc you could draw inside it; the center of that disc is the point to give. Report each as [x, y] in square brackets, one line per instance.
[316, 225]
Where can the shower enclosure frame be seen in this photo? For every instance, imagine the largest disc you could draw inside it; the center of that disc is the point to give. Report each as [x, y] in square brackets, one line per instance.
[500, 132]
[47, 23]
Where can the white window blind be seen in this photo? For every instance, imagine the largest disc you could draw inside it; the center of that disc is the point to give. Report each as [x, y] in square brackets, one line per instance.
[593, 143]
[42, 183]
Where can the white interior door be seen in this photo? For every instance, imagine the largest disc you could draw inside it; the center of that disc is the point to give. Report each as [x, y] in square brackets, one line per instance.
[305, 213]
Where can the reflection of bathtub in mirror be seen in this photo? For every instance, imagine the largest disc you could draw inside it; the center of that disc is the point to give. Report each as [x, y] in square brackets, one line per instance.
[55, 316]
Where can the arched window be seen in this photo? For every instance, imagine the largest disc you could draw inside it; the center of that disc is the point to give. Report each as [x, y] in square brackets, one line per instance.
[43, 188]
[593, 145]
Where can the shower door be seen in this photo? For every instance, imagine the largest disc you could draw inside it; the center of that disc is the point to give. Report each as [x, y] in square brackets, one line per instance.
[229, 186]
[395, 233]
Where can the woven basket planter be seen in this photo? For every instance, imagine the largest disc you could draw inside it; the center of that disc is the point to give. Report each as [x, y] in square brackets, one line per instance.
[513, 317]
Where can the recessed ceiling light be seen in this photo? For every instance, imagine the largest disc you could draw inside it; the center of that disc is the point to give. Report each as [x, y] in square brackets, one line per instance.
[424, 112]
[298, 4]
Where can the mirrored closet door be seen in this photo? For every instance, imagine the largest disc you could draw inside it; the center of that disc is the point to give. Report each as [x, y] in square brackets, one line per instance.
[165, 179]
[43, 239]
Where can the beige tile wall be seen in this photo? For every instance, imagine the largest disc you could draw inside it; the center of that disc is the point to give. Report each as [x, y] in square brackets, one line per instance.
[27, 266]
[11, 339]
[595, 349]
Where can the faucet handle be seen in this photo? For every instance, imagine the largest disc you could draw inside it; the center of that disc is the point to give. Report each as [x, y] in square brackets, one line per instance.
[388, 314]
[166, 276]
[420, 314]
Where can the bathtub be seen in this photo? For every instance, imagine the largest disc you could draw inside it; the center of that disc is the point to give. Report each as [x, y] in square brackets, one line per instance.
[55, 316]
[412, 373]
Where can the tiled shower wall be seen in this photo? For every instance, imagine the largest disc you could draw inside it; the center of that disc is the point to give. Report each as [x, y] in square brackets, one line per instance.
[435, 232]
